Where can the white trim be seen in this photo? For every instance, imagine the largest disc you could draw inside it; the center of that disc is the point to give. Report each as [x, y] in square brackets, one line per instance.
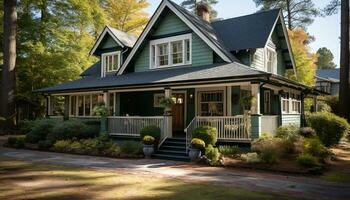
[183, 18]
[102, 35]
[169, 41]
[77, 93]
[104, 69]
[209, 89]
[274, 62]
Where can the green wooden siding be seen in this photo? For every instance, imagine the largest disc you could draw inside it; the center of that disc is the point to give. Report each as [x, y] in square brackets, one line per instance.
[191, 107]
[202, 54]
[139, 104]
[108, 42]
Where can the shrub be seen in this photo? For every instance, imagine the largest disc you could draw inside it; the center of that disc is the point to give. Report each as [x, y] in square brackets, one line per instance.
[323, 107]
[333, 102]
[68, 130]
[314, 147]
[113, 150]
[75, 147]
[131, 147]
[152, 130]
[62, 145]
[90, 146]
[307, 160]
[148, 140]
[45, 144]
[197, 143]
[16, 142]
[307, 132]
[329, 127]
[269, 149]
[212, 153]
[229, 150]
[25, 126]
[40, 130]
[289, 134]
[251, 158]
[207, 134]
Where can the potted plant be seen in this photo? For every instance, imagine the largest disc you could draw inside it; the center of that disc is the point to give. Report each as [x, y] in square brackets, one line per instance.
[197, 145]
[246, 102]
[148, 146]
[102, 112]
[167, 104]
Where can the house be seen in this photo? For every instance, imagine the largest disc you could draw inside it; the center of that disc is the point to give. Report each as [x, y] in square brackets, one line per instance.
[209, 68]
[327, 80]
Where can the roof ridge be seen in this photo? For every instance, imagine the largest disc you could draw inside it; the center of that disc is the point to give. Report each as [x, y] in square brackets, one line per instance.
[247, 15]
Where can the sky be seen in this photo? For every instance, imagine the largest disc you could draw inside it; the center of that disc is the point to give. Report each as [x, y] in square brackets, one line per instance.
[326, 30]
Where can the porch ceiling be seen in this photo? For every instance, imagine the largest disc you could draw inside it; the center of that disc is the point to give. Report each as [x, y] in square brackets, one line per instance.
[170, 75]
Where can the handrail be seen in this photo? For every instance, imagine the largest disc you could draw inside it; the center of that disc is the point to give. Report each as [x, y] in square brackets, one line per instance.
[188, 130]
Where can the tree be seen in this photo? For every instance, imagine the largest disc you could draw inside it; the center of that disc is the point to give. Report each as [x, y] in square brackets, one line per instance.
[127, 15]
[8, 85]
[332, 7]
[344, 97]
[304, 59]
[297, 13]
[325, 59]
[191, 4]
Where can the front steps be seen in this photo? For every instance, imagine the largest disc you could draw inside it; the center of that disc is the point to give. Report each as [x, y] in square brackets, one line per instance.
[172, 149]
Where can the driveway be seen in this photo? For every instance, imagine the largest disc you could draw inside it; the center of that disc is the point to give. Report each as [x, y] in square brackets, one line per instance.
[297, 186]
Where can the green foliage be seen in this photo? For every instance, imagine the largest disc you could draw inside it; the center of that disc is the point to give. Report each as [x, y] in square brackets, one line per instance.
[167, 102]
[323, 107]
[148, 140]
[329, 127]
[25, 126]
[333, 102]
[40, 130]
[289, 135]
[151, 130]
[229, 150]
[197, 143]
[314, 147]
[269, 149]
[307, 160]
[45, 144]
[101, 111]
[251, 158]
[16, 142]
[213, 154]
[325, 59]
[307, 132]
[207, 134]
[62, 145]
[131, 147]
[67, 130]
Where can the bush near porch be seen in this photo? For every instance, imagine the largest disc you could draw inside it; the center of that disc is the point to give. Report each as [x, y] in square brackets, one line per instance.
[72, 136]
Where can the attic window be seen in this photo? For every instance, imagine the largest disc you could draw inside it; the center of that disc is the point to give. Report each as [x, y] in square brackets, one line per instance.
[110, 62]
[171, 51]
[271, 60]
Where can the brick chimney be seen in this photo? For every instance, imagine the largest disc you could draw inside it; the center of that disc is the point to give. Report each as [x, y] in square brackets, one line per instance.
[202, 10]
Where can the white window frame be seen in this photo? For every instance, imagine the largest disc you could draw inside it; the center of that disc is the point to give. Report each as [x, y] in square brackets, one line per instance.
[76, 113]
[274, 62]
[104, 68]
[169, 40]
[294, 104]
[209, 90]
[267, 93]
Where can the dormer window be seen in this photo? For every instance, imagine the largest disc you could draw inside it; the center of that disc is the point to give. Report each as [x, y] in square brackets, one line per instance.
[172, 51]
[110, 62]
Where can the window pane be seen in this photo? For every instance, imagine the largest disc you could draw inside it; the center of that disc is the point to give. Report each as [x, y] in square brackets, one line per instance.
[87, 102]
[163, 54]
[177, 52]
[188, 49]
[153, 54]
[211, 103]
[94, 101]
[111, 104]
[81, 105]
[73, 105]
[116, 62]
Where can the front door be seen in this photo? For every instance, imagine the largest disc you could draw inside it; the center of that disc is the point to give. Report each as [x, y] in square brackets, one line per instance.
[178, 112]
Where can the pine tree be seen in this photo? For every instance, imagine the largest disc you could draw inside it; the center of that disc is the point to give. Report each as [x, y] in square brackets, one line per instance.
[325, 59]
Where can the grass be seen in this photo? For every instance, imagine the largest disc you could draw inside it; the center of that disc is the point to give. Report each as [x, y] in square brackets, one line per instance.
[25, 180]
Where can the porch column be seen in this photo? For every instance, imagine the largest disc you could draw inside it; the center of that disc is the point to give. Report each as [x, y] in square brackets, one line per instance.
[66, 108]
[104, 125]
[48, 107]
[314, 99]
[229, 101]
[168, 120]
[255, 110]
[302, 110]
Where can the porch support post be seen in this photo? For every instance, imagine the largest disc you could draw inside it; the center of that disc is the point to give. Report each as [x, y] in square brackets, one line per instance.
[48, 106]
[255, 110]
[66, 108]
[104, 125]
[168, 120]
[314, 98]
[229, 101]
[302, 110]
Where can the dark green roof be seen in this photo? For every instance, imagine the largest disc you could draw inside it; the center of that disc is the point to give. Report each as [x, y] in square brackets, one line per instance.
[176, 74]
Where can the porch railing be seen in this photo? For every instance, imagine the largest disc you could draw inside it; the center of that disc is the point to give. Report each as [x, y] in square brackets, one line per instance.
[131, 125]
[228, 127]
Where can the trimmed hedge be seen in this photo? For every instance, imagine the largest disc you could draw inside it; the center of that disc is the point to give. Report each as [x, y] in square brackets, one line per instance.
[329, 127]
[206, 133]
[40, 130]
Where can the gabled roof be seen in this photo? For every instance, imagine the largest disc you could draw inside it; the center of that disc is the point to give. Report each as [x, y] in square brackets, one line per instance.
[201, 28]
[246, 32]
[332, 75]
[152, 77]
[121, 38]
[93, 70]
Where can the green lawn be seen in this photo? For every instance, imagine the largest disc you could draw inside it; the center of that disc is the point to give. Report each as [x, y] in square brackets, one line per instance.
[25, 180]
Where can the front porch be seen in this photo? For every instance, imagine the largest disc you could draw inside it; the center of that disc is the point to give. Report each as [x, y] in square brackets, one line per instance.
[216, 105]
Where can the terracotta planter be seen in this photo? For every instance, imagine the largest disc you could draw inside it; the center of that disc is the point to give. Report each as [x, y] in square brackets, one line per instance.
[148, 150]
[194, 154]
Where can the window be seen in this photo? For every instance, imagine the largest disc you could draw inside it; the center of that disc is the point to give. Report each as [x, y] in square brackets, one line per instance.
[296, 104]
[84, 103]
[110, 62]
[271, 60]
[211, 103]
[267, 102]
[171, 51]
[291, 103]
[73, 103]
[111, 104]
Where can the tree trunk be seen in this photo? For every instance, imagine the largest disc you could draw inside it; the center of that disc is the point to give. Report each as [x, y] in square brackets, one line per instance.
[289, 17]
[344, 61]
[8, 86]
